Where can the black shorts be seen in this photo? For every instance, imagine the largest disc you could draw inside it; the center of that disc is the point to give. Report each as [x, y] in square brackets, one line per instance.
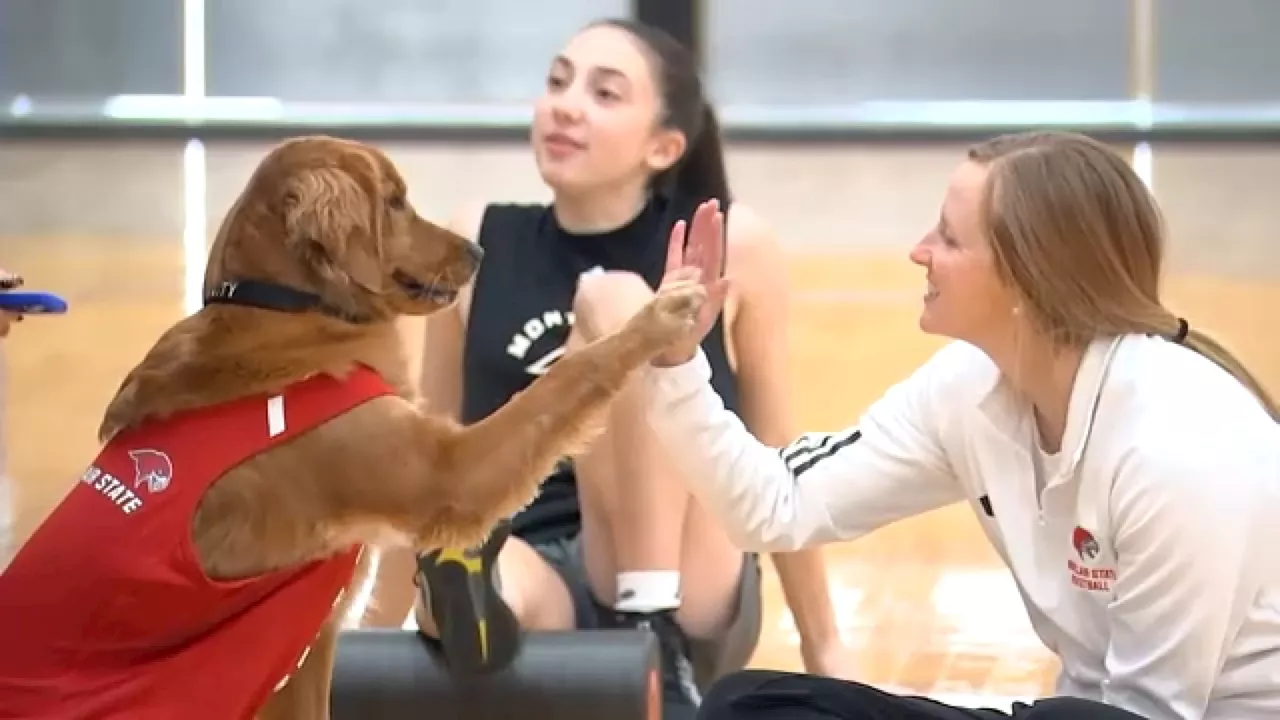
[772, 695]
[711, 657]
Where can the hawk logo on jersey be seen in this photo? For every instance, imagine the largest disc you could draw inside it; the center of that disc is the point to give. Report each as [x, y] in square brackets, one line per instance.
[152, 468]
[1084, 543]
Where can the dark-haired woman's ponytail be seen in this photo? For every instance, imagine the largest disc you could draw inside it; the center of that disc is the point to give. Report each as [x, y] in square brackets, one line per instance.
[701, 174]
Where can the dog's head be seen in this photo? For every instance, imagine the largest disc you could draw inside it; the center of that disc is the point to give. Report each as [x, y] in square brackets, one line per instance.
[331, 218]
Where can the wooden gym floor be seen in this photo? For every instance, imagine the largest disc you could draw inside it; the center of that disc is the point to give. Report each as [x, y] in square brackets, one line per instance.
[925, 602]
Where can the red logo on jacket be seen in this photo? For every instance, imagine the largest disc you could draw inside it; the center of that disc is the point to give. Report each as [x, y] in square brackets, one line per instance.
[1086, 547]
[1093, 579]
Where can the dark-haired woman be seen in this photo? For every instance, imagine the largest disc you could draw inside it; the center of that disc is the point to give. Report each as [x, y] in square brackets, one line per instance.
[626, 141]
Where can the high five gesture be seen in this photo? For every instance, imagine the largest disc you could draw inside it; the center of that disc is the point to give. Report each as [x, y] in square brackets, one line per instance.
[695, 254]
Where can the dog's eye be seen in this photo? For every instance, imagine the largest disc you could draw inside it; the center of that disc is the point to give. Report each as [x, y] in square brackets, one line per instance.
[397, 202]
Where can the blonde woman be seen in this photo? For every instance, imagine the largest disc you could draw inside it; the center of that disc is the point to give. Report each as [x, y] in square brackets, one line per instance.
[1124, 465]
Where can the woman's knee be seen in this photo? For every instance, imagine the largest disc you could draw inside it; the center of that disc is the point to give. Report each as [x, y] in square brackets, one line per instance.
[615, 294]
[727, 646]
[534, 590]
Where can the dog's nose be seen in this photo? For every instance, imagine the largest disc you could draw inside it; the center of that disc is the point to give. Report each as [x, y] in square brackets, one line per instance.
[475, 252]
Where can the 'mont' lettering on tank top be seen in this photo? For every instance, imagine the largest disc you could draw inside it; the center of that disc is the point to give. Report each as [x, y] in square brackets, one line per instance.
[533, 330]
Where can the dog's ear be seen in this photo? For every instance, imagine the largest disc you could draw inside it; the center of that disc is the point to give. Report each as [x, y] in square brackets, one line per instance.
[333, 221]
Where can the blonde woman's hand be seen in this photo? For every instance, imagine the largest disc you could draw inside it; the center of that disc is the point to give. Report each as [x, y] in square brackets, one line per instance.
[697, 256]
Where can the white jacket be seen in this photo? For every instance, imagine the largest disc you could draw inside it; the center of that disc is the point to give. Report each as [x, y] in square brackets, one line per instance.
[1148, 563]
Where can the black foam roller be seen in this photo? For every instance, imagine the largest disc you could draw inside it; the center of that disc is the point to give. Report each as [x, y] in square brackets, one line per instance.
[594, 674]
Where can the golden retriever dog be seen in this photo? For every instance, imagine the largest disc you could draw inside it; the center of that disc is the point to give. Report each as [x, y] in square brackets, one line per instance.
[198, 568]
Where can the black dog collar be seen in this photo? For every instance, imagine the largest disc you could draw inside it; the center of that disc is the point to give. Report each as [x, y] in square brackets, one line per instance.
[270, 296]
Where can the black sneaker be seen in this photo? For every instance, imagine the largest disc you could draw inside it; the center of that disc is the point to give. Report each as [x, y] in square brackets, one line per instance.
[478, 631]
[680, 694]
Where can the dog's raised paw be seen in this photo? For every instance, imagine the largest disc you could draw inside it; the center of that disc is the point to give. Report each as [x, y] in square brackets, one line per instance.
[673, 311]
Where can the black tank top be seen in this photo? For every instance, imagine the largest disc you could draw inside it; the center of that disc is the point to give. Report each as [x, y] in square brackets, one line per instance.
[520, 317]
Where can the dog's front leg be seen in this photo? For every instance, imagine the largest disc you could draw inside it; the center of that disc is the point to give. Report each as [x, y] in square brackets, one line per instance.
[306, 694]
[499, 462]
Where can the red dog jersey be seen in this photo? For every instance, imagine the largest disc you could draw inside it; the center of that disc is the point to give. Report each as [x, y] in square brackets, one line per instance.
[106, 614]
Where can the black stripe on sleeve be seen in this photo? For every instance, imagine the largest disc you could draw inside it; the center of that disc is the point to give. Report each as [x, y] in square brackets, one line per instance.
[812, 448]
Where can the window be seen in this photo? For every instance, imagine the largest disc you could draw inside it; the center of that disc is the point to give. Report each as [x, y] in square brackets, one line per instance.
[840, 52]
[390, 51]
[1217, 51]
[90, 49]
